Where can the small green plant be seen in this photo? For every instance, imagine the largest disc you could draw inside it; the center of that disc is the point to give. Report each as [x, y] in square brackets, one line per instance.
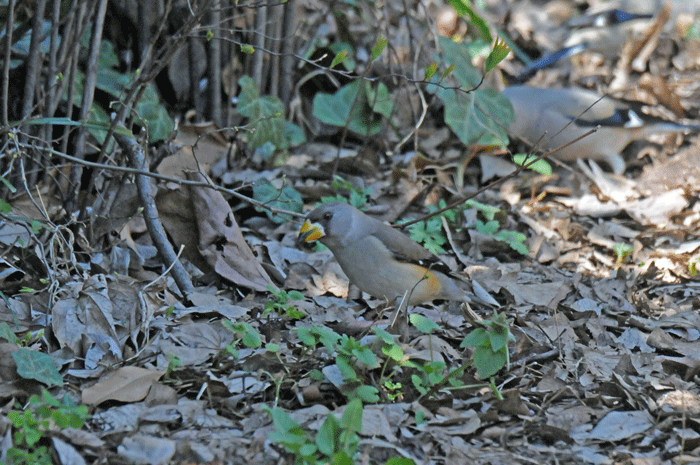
[431, 374]
[490, 345]
[358, 196]
[350, 357]
[174, 363]
[622, 251]
[429, 232]
[244, 334]
[693, 266]
[336, 442]
[491, 227]
[30, 426]
[281, 306]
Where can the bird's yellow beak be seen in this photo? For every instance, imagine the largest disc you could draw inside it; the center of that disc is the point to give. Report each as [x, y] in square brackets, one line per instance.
[310, 232]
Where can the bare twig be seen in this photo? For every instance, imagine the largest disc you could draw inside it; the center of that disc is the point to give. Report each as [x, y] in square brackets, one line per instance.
[86, 103]
[182, 182]
[150, 215]
[215, 72]
[6, 62]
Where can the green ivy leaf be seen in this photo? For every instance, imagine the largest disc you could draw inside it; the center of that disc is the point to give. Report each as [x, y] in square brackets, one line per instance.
[286, 198]
[265, 115]
[365, 117]
[37, 366]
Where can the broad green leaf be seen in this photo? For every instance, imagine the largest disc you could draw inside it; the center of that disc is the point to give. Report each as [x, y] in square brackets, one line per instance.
[366, 356]
[459, 57]
[38, 366]
[476, 338]
[346, 369]
[368, 394]
[394, 352]
[149, 110]
[282, 420]
[342, 458]
[305, 336]
[423, 324]
[379, 99]
[252, 339]
[293, 134]
[328, 437]
[498, 339]
[335, 109]
[7, 333]
[264, 114]
[384, 335]
[286, 198]
[479, 117]
[488, 362]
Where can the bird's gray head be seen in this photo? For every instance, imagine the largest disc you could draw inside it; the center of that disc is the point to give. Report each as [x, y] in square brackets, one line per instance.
[331, 224]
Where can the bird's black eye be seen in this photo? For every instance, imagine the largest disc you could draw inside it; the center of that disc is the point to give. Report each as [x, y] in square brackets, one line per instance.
[327, 216]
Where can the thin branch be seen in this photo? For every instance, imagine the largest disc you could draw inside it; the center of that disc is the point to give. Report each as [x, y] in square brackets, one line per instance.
[182, 182]
[6, 62]
[151, 217]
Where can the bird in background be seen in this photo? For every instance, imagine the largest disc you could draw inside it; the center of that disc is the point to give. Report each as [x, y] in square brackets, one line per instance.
[377, 258]
[605, 27]
[603, 31]
[552, 118]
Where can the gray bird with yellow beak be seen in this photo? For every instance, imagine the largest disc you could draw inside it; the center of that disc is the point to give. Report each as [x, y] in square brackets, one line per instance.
[377, 258]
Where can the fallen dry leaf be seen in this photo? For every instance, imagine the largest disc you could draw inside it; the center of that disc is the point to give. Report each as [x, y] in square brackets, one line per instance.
[126, 384]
